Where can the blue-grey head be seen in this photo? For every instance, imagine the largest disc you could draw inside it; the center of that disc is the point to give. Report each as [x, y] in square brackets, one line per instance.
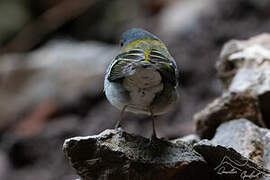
[136, 34]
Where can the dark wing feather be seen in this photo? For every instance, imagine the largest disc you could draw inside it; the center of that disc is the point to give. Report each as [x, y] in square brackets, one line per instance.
[120, 65]
[165, 66]
[116, 71]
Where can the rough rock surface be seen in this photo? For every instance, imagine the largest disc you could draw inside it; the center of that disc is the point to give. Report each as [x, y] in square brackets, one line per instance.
[239, 150]
[190, 139]
[246, 138]
[228, 164]
[244, 71]
[118, 155]
[245, 66]
[227, 107]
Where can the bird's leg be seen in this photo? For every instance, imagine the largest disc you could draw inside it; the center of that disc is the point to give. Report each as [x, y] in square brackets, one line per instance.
[154, 134]
[118, 123]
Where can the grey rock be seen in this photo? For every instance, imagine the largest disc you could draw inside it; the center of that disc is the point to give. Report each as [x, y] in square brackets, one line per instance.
[244, 71]
[228, 164]
[190, 139]
[116, 154]
[247, 139]
[244, 66]
[227, 107]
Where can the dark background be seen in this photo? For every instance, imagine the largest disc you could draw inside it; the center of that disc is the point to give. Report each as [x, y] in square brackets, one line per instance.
[54, 54]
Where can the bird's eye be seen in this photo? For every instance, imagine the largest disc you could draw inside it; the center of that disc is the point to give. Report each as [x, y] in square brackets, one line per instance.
[121, 43]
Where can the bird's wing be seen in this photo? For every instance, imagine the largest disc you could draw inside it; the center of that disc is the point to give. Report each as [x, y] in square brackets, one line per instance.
[120, 66]
[166, 66]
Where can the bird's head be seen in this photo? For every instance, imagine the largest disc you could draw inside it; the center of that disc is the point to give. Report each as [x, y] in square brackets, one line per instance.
[135, 34]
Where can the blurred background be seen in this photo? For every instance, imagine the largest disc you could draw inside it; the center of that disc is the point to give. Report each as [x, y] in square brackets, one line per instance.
[53, 55]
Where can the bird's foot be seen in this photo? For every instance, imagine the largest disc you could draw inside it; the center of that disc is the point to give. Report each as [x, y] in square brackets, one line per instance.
[154, 143]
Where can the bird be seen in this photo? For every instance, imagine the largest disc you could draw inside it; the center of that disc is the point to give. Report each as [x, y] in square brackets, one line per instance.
[143, 77]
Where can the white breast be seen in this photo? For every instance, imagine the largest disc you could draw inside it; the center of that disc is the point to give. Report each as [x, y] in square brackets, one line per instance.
[143, 85]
